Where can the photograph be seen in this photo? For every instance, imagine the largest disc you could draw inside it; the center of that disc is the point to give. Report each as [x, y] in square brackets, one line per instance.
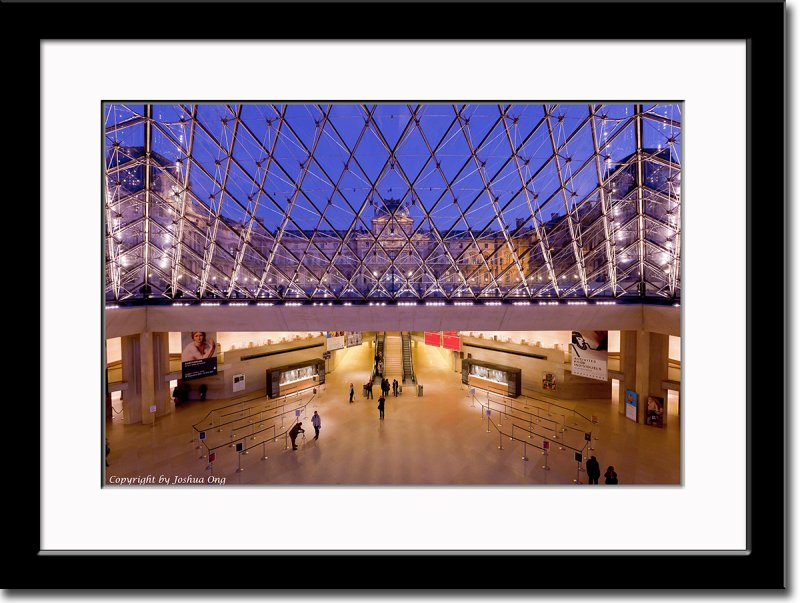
[359, 222]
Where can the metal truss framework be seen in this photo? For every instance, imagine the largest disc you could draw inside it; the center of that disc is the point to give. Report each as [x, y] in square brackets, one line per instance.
[392, 202]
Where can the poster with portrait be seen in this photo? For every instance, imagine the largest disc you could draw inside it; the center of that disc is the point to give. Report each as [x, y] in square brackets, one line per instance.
[548, 381]
[631, 402]
[589, 350]
[655, 411]
[199, 351]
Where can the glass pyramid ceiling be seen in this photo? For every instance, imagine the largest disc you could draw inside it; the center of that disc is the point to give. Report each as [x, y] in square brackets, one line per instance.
[392, 202]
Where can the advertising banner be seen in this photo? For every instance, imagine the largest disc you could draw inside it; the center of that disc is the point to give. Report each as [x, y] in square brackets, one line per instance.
[451, 340]
[352, 338]
[199, 355]
[590, 354]
[631, 402]
[335, 340]
[655, 411]
[433, 338]
[548, 381]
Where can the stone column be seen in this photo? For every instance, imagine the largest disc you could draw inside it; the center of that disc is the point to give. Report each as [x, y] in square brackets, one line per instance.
[644, 360]
[131, 374]
[147, 377]
[163, 395]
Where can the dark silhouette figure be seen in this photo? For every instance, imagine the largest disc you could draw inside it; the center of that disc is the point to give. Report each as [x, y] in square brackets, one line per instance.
[369, 391]
[593, 470]
[611, 475]
[352, 393]
[297, 428]
[381, 403]
[395, 385]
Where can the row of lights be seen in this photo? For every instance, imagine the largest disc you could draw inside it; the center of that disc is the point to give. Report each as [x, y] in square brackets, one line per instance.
[400, 303]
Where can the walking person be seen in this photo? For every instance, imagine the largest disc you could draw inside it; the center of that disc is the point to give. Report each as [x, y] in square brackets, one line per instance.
[611, 475]
[352, 393]
[394, 387]
[381, 403]
[316, 421]
[380, 368]
[593, 470]
[297, 428]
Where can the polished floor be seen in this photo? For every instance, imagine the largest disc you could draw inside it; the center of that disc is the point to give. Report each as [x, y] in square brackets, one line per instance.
[440, 438]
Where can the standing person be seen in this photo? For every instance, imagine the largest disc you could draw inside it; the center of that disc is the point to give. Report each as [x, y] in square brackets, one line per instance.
[394, 387]
[293, 433]
[369, 390]
[593, 470]
[316, 421]
[352, 393]
[380, 368]
[381, 403]
[611, 475]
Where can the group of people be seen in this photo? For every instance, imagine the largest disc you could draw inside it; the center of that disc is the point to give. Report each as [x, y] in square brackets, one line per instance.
[379, 364]
[593, 471]
[394, 386]
[297, 429]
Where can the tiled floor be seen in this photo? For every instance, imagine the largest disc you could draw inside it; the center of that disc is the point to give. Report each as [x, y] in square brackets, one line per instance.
[439, 438]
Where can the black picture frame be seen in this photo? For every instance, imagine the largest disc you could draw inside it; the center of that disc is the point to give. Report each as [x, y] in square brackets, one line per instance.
[762, 24]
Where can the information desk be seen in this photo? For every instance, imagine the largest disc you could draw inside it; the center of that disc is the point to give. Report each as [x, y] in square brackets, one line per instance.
[293, 378]
[490, 384]
[504, 380]
[290, 387]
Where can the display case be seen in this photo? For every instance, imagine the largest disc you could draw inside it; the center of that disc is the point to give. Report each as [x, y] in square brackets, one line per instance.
[293, 378]
[503, 380]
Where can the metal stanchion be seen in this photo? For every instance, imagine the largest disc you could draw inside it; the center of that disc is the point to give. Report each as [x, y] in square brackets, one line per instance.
[574, 421]
[239, 469]
[488, 420]
[264, 450]
[524, 450]
[244, 443]
[530, 429]
[546, 447]
[577, 479]
[233, 435]
[252, 432]
[261, 419]
[500, 433]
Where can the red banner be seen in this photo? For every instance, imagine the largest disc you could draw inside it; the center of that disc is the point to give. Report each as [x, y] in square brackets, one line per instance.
[451, 342]
[450, 333]
[433, 338]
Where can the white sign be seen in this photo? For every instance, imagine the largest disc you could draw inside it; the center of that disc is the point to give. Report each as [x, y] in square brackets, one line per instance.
[335, 343]
[590, 354]
[238, 383]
